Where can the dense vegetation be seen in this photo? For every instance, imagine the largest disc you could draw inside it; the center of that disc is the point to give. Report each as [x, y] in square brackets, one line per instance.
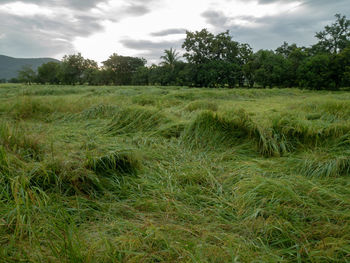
[168, 174]
[217, 61]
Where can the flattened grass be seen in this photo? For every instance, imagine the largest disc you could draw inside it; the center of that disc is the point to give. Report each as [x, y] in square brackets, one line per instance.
[172, 174]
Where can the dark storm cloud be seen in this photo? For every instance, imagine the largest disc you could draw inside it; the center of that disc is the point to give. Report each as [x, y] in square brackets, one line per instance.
[269, 32]
[167, 32]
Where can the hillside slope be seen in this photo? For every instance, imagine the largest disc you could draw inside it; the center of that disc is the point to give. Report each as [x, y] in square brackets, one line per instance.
[10, 66]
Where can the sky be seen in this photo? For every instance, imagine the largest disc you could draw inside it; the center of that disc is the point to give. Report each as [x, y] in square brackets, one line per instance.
[145, 28]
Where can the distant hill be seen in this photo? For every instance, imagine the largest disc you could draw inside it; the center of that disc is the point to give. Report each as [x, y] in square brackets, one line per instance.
[9, 66]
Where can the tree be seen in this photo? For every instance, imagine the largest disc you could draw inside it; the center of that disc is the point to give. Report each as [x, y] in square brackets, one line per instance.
[48, 73]
[72, 68]
[203, 46]
[215, 58]
[170, 57]
[26, 75]
[14, 80]
[285, 49]
[245, 55]
[294, 57]
[270, 69]
[141, 76]
[90, 72]
[75, 69]
[123, 68]
[317, 73]
[249, 70]
[342, 67]
[336, 37]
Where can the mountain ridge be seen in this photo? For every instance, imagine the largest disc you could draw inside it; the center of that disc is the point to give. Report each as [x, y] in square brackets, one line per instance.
[9, 66]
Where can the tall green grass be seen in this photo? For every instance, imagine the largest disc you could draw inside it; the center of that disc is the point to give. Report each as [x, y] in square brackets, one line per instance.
[172, 174]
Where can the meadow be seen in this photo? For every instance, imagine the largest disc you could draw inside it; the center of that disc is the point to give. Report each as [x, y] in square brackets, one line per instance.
[173, 174]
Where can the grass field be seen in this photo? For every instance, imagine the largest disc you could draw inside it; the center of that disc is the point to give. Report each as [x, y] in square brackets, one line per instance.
[172, 174]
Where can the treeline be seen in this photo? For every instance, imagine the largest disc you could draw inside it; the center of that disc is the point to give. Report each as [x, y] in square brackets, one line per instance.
[216, 61]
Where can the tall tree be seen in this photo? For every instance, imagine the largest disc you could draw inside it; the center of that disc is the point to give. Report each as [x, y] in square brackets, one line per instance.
[72, 69]
[316, 72]
[215, 58]
[123, 68]
[48, 73]
[245, 55]
[271, 69]
[294, 57]
[336, 37]
[203, 46]
[76, 69]
[170, 57]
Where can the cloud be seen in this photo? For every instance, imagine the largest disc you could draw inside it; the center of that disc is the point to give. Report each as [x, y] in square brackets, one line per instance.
[268, 32]
[33, 28]
[170, 31]
[216, 18]
[151, 50]
[148, 44]
[71, 4]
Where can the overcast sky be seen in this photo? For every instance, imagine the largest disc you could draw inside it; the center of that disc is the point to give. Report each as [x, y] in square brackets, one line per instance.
[98, 28]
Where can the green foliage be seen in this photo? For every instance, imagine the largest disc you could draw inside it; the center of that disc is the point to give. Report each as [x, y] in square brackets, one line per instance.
[216, 61]
[26, 75]
[49, 73]
[75, 69]
[271, 69]
[335, 37]
[170, 57]
[216, 58]
[315, 73]
[122, 68]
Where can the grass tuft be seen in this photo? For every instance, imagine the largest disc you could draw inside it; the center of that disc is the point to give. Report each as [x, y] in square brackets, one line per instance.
[201, 105]
[99, 111]
[15, 138]
[324, 165]
[135, 119]
[27, 107]
[213, 131]
[120, 162]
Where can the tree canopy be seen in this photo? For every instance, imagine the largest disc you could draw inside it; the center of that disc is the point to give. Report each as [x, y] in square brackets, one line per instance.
[216, 60]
